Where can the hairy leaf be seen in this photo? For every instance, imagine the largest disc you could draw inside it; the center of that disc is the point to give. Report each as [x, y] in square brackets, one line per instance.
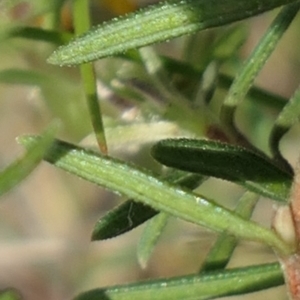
[157, 23]
[131, 214]
[143, 186]
[207, 286]
[225, 161]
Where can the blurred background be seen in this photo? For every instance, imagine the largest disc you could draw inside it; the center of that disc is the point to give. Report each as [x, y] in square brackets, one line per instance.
[46, 222]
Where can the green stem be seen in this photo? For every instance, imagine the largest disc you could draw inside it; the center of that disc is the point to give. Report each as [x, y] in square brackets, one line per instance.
[285, 120]
[81, 25]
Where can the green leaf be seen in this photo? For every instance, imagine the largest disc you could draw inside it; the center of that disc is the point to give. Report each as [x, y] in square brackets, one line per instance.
[22, 167]
[157, 23]
[130, 181]
[131, 214]
[257, 95]
[220, 254]
[81, 18]
[155, 227]
[26, 77]
[39, 34]
[225, 161]
[255, 62]
[207, 286]
[121, 219]
[227, 45]
[150, 236]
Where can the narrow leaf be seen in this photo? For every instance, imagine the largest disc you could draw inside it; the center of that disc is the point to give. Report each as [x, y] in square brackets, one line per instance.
[244, 80]
[150, 236]
[22, 167]
[225, 161]
[82, 22]
[121, 219]
[257, 95]
[39, 34]
[131, 214]
[220, 254]
[227, 45]
[143, 186]
[207, 286]
[155, 227]
[157, 23]
[22, 76]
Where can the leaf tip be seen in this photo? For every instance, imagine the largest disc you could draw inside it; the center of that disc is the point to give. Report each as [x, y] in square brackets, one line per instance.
[143, 262]
[59, 57]
[26, 140]
[54, 58]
